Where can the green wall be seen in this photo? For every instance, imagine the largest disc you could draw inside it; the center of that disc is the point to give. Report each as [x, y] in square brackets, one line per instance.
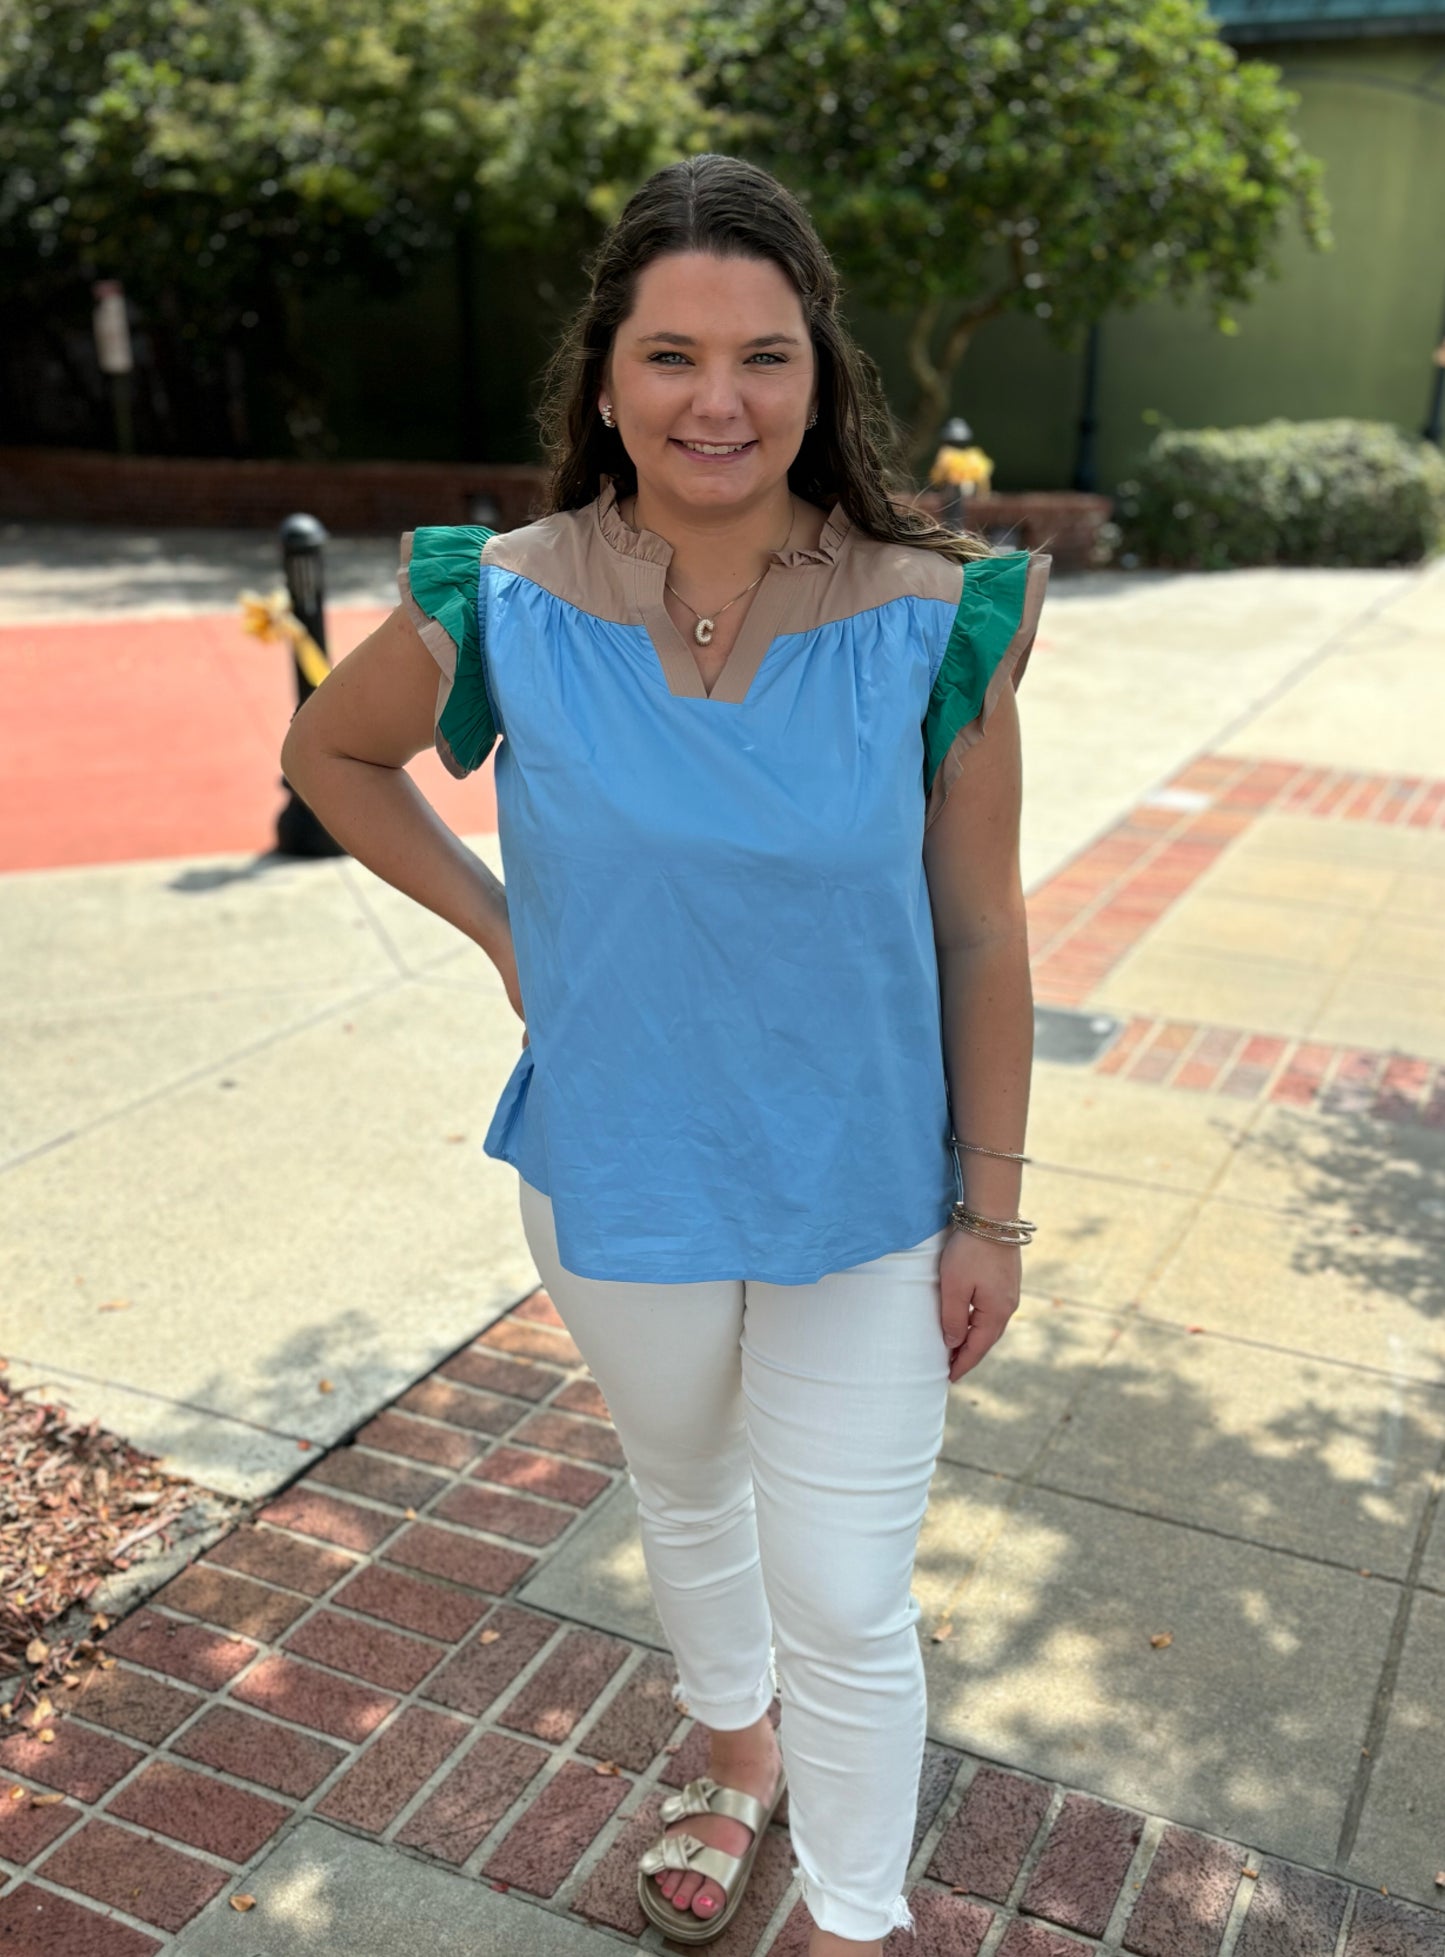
[1345, 332]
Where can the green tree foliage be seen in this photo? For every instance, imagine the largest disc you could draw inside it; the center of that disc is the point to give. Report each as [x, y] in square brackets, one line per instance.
[1064, 158]
[226, 159]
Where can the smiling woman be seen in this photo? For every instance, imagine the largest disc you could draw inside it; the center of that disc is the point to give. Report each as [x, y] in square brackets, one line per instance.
[711, 413]
[763, 917]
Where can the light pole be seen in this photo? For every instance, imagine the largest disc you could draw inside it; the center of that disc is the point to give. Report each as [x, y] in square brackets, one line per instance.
[113, 353]
[1086, 470]
[1431, 431]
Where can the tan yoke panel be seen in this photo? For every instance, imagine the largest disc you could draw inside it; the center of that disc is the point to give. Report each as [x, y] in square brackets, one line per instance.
[591, 559]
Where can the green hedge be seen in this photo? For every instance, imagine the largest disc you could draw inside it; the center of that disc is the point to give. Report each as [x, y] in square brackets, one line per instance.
[1286, 492]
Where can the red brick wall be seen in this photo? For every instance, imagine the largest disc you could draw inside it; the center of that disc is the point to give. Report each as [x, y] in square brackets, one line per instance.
[84, 486]
[1063, 521]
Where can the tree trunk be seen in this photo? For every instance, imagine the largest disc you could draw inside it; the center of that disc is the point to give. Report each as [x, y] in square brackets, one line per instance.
[935, 377]
[932, 394]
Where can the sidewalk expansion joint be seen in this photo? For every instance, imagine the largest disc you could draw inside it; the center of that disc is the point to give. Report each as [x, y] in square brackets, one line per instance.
[1380, 1707]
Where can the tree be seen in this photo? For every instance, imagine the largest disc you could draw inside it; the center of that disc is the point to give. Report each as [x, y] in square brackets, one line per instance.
[1064, 158]
[229, 160]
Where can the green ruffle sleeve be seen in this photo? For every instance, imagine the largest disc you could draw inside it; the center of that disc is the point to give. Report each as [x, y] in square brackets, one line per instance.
[440, 580]
[988, 646]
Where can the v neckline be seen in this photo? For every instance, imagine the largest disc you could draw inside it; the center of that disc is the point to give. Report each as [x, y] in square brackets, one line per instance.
[649, 555]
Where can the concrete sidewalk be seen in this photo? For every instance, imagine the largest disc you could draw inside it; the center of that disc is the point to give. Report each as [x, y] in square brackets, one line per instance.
[1183, 1561]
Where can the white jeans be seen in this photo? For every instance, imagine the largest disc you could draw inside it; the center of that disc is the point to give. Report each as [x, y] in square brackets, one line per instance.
[780, 1440]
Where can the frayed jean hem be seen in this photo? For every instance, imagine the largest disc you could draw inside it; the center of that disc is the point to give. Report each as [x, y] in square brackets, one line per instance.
[730, 1715]
[842, 1915]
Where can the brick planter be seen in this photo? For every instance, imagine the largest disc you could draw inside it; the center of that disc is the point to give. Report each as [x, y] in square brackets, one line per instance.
[39, 485]
[1063, 521]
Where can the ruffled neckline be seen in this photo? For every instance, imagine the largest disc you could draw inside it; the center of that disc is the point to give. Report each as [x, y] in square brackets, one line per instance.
[653, 549]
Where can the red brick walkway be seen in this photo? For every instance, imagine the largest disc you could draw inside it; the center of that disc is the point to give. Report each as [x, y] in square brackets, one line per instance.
[1085, 918]
[355, 1652]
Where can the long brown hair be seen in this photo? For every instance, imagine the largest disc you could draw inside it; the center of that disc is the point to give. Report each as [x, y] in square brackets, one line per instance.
[733, 209]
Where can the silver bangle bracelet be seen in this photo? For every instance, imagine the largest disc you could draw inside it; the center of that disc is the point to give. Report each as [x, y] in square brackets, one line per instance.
[1010, 1230]
[1006, 1154]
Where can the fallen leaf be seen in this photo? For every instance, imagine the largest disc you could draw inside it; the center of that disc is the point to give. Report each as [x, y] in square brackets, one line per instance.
[107, 1664]
[676, 1747]
[410, 1515]
[1161, 1638]
[43, 1709]
[303, 1447]
[1249, 1871]
[40, 1569]
[36, 1652]
[488, 1637]
[70, 1680]
[942, 1631]
[324, 1386]
[115, 1304]
[47, 1738]
[607, 1767]
[1440, 1878]
[455, 1138]
[18, 1794]
[1194, 1328]
[101, 1623]
[243, 1902]
[45, 1800]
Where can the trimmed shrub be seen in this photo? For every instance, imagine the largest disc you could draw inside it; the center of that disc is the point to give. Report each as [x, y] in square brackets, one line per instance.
[1286, 492]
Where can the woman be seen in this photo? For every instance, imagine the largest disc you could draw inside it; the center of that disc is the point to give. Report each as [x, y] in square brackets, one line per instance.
[763, 920]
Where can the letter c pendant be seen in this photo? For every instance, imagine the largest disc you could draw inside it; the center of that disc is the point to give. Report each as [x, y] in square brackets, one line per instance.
[703, 631]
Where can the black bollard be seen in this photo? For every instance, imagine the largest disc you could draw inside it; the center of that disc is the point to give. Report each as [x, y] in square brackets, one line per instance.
[298, 833]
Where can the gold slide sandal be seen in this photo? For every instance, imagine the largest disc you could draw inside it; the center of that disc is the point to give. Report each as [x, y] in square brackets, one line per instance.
[682, 1851]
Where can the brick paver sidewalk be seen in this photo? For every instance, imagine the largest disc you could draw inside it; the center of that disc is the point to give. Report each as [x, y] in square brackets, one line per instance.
[1112, 895]
[353, 1653]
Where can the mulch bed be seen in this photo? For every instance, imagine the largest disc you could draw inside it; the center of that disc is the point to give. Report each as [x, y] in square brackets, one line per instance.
[76, 1504]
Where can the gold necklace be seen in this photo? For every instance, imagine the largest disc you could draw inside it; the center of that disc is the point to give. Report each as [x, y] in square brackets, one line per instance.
[705, 627]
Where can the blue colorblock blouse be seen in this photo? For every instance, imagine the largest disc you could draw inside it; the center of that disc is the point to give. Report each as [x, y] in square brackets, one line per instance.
[718, 901]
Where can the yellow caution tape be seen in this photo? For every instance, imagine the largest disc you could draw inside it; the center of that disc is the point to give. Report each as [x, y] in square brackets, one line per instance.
[273, 618]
